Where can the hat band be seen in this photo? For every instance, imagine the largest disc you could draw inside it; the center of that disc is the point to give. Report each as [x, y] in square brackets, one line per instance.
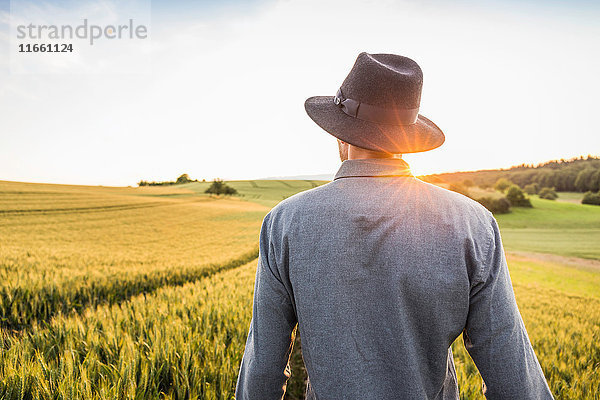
[367, 112]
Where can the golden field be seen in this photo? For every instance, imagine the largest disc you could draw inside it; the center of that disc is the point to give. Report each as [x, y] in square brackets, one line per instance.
[134, 293]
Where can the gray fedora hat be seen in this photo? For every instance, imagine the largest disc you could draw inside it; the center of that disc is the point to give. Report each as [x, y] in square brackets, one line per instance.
[377, 107]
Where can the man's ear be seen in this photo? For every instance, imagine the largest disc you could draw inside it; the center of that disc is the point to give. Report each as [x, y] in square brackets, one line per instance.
[343, 150]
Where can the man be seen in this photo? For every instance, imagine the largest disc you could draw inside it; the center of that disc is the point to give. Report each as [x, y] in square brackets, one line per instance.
[381, 271]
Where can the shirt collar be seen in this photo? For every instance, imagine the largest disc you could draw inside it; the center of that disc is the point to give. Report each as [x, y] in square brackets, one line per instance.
[373, 167]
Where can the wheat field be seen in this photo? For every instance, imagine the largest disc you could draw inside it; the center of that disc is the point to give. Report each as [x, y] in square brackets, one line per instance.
[139, 293]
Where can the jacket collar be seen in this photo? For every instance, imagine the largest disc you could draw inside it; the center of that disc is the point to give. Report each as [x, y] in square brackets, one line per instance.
[373, 167]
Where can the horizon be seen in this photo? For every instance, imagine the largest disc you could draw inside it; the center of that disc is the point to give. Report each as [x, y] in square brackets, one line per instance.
[296, 177]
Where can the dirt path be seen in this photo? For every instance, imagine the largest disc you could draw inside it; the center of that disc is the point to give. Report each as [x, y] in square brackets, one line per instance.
[574, 201]
[571, 261]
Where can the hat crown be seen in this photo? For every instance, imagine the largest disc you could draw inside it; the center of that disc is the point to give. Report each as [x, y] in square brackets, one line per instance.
[384, 80]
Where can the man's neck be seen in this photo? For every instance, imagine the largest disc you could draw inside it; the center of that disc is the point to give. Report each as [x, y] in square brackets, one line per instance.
[355, 153]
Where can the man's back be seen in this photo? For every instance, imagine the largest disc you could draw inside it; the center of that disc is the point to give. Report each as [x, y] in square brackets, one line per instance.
[382, 272]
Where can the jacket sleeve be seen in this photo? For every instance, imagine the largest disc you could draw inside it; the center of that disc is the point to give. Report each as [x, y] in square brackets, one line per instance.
[264, 370]
[495, 335]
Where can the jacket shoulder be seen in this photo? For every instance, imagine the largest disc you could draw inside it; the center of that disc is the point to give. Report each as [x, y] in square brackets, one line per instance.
[459, 206]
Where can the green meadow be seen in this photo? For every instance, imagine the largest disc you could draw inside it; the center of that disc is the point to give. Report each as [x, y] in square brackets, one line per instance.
[570, 197]
[135, 293]
[562, 228]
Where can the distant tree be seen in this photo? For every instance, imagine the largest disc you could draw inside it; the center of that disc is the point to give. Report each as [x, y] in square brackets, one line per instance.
[497, 205]
[548, 194]
[468, 183]
[219, 187]
[183, 178]
[595, 181]
[566, 180]
[531, 188]
[546, 178]
[517, 198]
[588, 180]
[459, 188]
[502, 184]
[591, 198]
[583, 179]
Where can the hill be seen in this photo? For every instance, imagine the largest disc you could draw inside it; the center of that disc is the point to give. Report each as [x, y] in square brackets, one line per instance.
[264, 192]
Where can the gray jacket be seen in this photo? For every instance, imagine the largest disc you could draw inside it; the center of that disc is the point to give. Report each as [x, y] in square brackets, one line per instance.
[382, 272]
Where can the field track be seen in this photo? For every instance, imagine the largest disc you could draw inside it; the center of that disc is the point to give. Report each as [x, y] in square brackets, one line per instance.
[67, 248]
[113, 207]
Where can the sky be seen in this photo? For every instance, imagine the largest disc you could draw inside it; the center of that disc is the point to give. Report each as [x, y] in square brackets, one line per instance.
[217, 89]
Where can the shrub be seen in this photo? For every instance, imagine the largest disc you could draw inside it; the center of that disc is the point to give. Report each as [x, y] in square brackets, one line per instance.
[459, 188]
[497, 205]
[591, 198]
[184, 178]
[532, 188]
[517, 198]
[548, 194]
[502, 184]
[219, 187]
[468, 183]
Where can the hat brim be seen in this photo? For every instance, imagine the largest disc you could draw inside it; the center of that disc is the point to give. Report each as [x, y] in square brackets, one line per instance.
[423, 135]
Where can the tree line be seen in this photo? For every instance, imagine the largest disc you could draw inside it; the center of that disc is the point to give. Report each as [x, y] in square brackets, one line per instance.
[573, 175]
[183, 178]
